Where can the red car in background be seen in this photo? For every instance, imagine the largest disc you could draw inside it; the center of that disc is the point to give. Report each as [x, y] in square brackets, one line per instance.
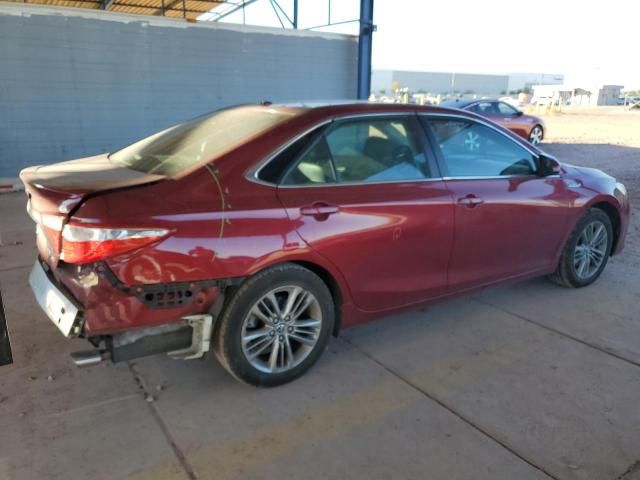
[260, 231]
[527, 126]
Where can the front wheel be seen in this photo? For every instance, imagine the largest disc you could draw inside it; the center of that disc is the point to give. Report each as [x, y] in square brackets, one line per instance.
[536, 135]
[587, 251]
[275, 327]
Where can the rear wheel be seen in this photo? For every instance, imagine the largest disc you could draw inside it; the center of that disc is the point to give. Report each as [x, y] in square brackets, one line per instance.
[587, 251]
[275, 327]
[536, 135]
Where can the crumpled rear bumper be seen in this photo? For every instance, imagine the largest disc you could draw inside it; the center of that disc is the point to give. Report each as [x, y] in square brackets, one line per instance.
[111, 307]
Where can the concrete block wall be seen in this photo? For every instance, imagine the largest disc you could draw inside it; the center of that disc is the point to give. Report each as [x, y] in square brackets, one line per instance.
[77, 82]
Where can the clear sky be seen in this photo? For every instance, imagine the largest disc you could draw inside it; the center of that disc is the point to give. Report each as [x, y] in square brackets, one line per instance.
[589, 41]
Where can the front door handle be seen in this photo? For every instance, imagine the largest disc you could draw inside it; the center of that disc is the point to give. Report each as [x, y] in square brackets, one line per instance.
[470, 201]
[319, 210]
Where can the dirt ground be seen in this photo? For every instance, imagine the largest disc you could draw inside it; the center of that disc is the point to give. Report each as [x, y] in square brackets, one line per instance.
[522, 381]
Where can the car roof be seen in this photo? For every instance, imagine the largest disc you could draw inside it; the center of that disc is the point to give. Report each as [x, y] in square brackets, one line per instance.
[356, 107]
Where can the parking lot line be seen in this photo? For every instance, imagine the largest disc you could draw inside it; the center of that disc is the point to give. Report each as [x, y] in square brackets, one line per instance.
[557, 332]
[449, 408]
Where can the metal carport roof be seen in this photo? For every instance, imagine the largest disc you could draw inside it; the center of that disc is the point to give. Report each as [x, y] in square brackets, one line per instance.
[189, 9]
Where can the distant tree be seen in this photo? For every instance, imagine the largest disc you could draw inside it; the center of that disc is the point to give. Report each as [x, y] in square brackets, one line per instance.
[383, 91]
[503, 92]
[469, 92]
[513, 92]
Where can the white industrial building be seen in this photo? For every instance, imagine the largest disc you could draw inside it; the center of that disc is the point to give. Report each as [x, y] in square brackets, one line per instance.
[455, 82]
[439, 82]
[577, 95]
[523, 81]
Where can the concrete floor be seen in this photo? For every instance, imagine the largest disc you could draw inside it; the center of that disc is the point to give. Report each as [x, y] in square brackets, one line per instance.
[525, 381]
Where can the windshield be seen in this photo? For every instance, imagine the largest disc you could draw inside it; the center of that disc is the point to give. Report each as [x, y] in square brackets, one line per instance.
[178, 148]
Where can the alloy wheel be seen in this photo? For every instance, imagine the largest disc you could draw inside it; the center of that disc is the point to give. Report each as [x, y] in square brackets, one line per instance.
[281, 329]
[590, 250]
[535, 137]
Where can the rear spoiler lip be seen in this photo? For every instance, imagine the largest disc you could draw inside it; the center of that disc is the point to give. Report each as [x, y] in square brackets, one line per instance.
[85, 176]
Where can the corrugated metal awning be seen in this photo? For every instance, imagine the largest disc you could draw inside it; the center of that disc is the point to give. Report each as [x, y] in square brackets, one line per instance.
[189, 9]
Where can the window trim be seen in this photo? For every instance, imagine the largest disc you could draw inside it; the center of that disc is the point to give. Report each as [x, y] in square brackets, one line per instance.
[441, 162]
[423, 140]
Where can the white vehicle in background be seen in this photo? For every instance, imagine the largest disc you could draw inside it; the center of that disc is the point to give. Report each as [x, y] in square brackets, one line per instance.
[514, 102]
[542, 100]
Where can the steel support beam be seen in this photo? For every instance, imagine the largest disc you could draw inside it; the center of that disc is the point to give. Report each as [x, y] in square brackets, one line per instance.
[295, 14]
[239, 6]
[365, 43]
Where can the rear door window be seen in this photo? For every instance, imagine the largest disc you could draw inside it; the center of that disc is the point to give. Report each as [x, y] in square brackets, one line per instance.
[364, 150]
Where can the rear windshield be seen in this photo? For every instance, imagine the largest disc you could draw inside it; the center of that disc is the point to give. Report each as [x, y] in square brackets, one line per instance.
[183, 146]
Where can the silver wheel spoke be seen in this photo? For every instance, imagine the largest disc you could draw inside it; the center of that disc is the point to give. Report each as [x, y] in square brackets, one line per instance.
[273, 358]
[302, 306]
[270, 303]
[293, 300]
[289, 352]
[583, 266]
[255, 334]
[258, 313]
[307, 323]
[260, 348]
[598, 236]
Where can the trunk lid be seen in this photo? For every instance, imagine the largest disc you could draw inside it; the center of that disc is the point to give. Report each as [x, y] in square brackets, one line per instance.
[54, 191]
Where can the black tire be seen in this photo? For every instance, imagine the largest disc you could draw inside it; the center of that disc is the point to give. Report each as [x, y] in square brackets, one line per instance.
[227, 336]
[566, 274]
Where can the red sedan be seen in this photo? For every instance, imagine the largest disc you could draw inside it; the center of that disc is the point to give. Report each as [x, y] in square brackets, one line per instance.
[260, 231]
[527, 126]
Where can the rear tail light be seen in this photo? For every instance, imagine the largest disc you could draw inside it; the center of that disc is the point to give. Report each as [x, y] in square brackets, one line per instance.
[48, 229]
[88, 244]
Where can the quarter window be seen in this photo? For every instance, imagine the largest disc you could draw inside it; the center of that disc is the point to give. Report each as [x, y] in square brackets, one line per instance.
[274, 170]
[314, 167]
[470, 149]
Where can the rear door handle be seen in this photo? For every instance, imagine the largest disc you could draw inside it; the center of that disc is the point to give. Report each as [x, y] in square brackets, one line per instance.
[319, 210]
[470, 201]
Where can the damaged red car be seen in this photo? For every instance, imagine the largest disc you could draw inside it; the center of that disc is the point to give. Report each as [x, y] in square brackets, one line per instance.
[257, 232]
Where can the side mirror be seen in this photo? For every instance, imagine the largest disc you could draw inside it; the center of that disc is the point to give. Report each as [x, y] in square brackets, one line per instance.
[548, 165]
[519, 113]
